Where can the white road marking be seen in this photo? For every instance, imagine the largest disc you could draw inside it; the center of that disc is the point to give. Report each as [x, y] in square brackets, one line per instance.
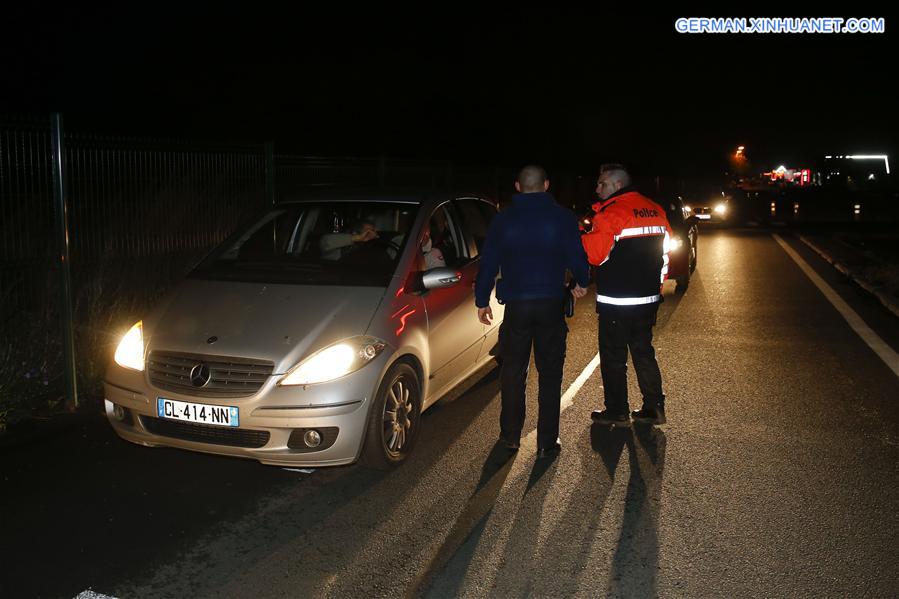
[886, 353]
[568, 397]
[89, 594]
[585, 374]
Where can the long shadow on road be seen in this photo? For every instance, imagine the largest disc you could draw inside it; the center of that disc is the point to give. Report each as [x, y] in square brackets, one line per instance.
[471, 521]
[636, 561]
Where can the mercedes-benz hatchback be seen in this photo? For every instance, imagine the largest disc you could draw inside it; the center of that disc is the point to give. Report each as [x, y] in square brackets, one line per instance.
[314, 336]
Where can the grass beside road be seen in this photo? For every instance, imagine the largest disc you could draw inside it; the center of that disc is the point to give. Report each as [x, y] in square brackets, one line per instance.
[881, 258]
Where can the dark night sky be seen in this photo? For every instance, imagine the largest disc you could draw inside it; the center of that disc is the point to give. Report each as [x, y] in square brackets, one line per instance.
[564, 87]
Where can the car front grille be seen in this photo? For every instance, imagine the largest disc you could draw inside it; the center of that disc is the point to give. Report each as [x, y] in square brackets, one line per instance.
[203, 433]
[229, 377]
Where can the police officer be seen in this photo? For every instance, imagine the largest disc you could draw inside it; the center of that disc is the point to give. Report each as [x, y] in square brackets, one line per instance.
[532, 242]
[628, 245]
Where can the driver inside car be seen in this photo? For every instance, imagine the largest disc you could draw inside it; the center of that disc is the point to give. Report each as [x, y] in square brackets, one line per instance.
[335, 245]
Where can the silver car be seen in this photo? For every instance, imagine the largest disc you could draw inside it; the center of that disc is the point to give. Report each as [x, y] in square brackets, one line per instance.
[316, 336]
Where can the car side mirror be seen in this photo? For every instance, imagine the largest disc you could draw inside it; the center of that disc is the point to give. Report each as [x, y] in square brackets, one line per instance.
[439, 278]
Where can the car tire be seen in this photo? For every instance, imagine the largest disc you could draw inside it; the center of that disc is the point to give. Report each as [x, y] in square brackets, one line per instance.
[394, 419]
[694, 254]
[682, 282]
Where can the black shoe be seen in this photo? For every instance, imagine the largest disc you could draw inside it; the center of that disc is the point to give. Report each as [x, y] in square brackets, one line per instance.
[649, 415]
[510, 444]
[611, 418]
[549, 452]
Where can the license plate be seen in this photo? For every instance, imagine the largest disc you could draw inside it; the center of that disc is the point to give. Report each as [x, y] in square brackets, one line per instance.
[704, 216]
[171, 409]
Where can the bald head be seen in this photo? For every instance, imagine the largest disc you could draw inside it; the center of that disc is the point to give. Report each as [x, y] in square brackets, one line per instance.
[532, 179]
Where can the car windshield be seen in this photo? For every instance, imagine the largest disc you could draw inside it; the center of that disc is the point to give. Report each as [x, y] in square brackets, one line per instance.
[315, 243]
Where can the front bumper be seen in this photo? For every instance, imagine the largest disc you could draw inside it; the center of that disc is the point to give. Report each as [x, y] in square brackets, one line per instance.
[267, 419]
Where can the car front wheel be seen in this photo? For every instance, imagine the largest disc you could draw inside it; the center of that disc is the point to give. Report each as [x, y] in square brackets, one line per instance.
[394, 419]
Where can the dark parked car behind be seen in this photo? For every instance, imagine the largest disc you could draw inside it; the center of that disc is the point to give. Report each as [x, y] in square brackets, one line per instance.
[683, 250]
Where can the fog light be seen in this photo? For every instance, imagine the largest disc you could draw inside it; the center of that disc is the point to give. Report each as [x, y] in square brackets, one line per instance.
[312, 438]
[118, 412]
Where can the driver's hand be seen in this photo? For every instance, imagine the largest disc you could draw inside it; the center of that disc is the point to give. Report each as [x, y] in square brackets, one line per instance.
[366, 235]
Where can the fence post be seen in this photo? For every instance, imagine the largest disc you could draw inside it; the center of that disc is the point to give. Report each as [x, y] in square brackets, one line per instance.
[62, 230]
[270, 172]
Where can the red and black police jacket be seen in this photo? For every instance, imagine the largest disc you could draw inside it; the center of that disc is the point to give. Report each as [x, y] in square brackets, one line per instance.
[629, 246]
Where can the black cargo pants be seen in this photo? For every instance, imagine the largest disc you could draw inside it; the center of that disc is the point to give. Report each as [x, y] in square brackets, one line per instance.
[622, 328]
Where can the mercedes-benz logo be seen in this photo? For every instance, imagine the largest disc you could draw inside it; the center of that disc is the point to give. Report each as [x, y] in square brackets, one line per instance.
[200, 375]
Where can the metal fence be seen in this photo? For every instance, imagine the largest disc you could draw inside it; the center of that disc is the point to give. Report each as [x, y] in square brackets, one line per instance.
[138, 198]
[26, 213]
[127, 198]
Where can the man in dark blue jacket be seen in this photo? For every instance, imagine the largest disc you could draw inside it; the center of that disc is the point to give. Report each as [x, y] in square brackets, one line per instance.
[532, 243]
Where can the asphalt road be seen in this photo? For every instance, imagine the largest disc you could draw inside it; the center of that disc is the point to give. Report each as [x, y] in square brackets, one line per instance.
[777, 475]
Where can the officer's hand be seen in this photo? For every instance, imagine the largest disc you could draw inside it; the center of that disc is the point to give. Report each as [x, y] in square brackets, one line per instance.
[485, 315]
[578, 292]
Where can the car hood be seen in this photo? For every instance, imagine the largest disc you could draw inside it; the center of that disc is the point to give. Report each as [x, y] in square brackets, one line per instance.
[278, 323]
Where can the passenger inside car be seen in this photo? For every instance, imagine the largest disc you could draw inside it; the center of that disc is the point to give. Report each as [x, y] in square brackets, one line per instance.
[432, 257]
[441, 237]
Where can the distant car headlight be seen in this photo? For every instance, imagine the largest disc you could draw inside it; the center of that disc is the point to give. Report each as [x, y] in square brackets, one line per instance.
[721, 208]
[130, 351]
[335, 361]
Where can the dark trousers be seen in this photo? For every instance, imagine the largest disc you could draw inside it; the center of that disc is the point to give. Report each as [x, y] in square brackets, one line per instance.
[541, 324]
[622, 328]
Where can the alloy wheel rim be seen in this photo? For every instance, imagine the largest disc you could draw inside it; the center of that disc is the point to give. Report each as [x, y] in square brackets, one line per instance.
[399, 416]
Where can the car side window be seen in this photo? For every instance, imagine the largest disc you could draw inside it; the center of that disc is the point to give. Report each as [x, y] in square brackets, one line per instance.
[476, 217]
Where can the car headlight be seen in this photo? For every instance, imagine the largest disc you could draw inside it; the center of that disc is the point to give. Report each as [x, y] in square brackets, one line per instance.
[130, 351]
[335, 361]
[671, 244]
[721, 208]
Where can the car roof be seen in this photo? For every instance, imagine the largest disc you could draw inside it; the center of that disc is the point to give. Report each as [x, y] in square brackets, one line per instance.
[406, 196]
